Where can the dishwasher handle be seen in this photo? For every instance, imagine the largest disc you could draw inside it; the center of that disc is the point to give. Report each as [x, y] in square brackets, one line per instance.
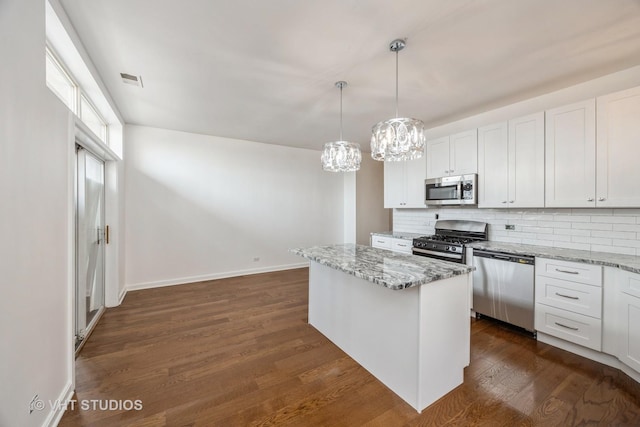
[501, 256]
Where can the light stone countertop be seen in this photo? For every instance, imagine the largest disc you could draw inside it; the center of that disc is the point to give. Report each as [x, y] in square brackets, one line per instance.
[397, 235]
[392, 270]
[624, 262]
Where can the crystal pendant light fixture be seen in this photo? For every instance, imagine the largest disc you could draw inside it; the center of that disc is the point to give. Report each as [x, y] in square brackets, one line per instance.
[341, 156]
[400, 138]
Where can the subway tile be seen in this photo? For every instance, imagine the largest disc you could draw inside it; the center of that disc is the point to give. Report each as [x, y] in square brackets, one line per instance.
[626, 212]
[614, 249]
[537, 242]
[520, 235]
[591, 226]
[591, 240]
[592, 211]
[555, 237]
[614, 219]
[554, 224]
[627, 227]
[614, 234]
[627, 243]
[572, 232]
[539, 230]
[508, 240]
[572, 218]
[571, 245]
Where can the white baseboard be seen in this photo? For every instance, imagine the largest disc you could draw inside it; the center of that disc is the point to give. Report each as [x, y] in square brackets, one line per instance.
[122, 295]
[56, 413]
[214, 276]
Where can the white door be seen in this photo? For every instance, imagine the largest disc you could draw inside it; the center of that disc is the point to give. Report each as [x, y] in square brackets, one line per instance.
[570, 152]
[89, 242]
[463, 153]
[415, 174]
[438, 157]
[618, 148]
[526, 161]
[395, 193]
[493, 166]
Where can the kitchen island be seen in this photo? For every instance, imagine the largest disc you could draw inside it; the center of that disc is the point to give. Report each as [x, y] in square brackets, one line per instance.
[402, 317]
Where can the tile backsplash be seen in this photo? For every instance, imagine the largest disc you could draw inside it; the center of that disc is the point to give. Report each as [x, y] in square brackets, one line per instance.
[602, 230]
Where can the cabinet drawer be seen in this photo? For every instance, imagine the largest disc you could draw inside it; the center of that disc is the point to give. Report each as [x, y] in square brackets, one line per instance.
[401, 245]
[566, 270]
[381, 242]
[577, 328]
[576, 297]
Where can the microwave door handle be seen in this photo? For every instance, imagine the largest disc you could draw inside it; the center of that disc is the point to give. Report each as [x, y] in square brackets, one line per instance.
[459, 186]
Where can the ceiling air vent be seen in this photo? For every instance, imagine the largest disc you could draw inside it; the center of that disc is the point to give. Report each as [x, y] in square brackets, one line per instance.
[131, 79]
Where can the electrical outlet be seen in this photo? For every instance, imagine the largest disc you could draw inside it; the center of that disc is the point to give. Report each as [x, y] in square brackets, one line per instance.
[256, 258]
[437, 216]
[509, 227]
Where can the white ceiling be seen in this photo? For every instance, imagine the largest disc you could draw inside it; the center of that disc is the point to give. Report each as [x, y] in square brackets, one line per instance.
[265, 70]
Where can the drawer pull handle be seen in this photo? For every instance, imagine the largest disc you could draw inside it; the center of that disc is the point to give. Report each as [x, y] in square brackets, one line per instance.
[401, 245]
[567, 296]
[565, 326]
[567, 271]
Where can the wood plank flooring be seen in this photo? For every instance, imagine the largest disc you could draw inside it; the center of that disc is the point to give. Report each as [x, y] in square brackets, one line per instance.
[239, 352]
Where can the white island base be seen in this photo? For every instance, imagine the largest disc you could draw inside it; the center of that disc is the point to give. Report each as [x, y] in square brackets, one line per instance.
[414, 340]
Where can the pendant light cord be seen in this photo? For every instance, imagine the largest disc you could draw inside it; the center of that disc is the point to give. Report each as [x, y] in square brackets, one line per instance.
[341, 112]
[396, 84]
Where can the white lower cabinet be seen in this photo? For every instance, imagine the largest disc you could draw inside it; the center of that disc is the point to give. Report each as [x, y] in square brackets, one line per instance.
[569, 301]
[392, 243]
[401, 245]
[622, 317]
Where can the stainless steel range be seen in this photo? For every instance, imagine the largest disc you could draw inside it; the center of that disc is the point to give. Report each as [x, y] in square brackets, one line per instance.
[448, 243]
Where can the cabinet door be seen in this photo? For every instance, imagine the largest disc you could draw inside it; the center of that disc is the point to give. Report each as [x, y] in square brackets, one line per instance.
[629, 296]
[415, 174]
[526, 161]
[492, 166]
[438, 157]
[570, 152]
[463, 153]
[394, 185]
[618, 149]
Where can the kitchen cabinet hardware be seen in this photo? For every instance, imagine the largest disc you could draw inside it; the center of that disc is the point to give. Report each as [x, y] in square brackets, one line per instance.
[601, 199]
[559, 270]
[567, 296]
[567, 327]
[590, 199]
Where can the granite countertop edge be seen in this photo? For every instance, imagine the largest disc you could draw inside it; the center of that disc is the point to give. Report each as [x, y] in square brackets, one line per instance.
[447, 269]
[629, 263]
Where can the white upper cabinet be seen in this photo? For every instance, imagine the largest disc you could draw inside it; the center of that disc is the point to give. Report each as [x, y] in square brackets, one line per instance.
[526, 161]
[570, 152]
[438, 157]
[493, 172]
[618, 149]
[453, 155]
[511, 163]
[404, 183]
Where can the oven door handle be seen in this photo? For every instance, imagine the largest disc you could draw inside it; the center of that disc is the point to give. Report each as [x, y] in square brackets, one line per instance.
[440, 254]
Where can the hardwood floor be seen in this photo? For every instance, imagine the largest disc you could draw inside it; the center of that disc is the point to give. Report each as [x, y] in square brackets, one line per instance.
[239, 352]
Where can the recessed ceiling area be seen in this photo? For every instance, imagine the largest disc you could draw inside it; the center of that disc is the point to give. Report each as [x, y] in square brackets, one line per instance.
[265, 70]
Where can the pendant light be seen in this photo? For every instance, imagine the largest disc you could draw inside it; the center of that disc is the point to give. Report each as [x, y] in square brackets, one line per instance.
[399, 138]
[341, 156]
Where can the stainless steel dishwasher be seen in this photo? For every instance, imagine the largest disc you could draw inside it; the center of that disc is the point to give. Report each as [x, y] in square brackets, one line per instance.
[503, 287]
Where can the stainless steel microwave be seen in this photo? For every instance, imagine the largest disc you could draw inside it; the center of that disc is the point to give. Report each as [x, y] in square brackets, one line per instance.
[452, 190]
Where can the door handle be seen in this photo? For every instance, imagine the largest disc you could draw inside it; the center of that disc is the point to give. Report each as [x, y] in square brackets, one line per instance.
[565, 326]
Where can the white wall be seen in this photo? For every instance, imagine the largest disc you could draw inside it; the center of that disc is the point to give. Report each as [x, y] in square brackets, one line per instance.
[371, 216]
[201, 207]
[35, 220]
